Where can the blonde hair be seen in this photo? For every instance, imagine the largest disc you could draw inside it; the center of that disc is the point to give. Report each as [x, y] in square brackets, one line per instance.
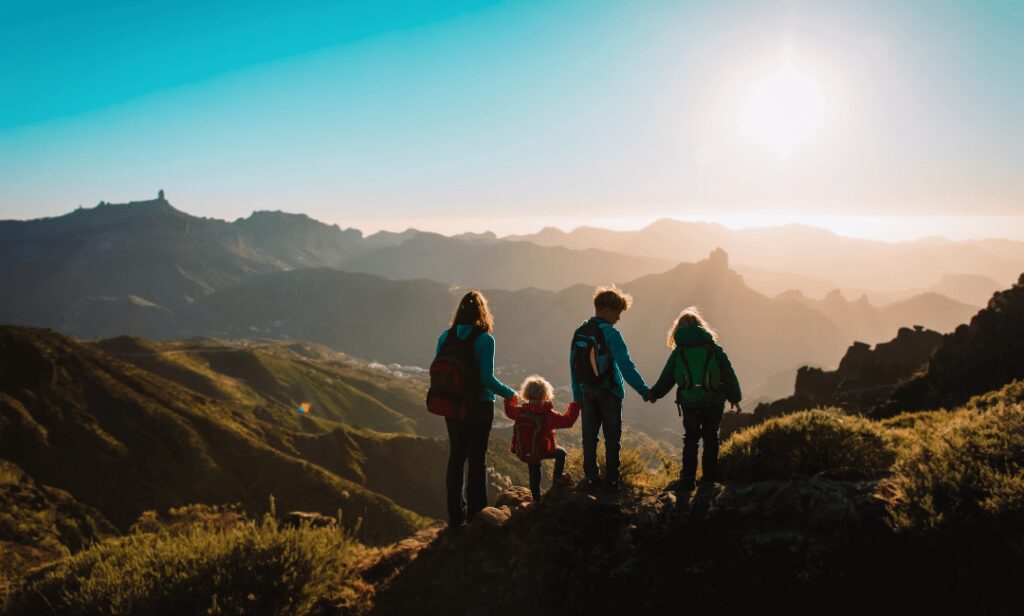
[537, 389]
[612, 298]
[689, 316]
[473, 310]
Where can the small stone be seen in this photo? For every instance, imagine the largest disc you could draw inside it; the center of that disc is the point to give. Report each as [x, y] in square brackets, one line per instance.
[295, 519]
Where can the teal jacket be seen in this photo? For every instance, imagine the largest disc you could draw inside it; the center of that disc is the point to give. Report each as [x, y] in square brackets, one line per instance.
[622, 367]
[483, 348]
[690, 335]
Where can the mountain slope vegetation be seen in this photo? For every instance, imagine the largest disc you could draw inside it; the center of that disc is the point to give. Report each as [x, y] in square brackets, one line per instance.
[930, 513]
[123, 440]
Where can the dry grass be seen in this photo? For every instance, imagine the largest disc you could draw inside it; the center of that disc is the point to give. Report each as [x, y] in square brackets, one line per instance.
[253, 568]
[964, 469]
[809, 443]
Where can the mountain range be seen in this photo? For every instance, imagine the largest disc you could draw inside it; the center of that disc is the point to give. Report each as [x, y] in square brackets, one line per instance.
[147, 269]
[805, 254]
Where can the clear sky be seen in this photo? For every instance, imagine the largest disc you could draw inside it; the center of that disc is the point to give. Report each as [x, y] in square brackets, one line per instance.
[513, 115]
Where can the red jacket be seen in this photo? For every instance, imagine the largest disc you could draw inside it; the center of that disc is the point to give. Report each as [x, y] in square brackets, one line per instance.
[535, 427]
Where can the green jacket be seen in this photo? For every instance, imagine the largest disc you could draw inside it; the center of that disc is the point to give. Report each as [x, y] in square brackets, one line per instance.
[689, 335]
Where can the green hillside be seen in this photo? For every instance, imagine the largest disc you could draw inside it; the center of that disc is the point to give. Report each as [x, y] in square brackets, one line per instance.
[124, 440]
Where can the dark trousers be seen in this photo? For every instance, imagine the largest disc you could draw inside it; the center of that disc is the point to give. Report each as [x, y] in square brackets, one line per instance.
[559, 457]
[467, 442]
[601, 410]
[701, 423]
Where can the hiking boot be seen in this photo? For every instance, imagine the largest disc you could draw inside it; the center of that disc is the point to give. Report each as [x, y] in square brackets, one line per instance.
[590, 484]
[612, 486]
[565, 479]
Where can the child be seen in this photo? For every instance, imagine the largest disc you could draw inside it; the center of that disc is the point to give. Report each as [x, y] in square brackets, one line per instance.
[597, 382]
[706, 380]
[533, 436]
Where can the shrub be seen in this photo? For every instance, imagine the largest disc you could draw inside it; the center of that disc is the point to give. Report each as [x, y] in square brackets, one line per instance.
[819, 442]
[252, 568]
[1009, 394]
[179, 520]
[967, 471]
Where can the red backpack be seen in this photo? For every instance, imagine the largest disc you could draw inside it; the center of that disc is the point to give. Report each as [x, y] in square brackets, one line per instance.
[532, 441]
[455, 377]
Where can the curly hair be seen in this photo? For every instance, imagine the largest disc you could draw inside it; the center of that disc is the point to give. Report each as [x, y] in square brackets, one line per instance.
[472, 310]
[536, 389]
[689, 316]
[612, 298]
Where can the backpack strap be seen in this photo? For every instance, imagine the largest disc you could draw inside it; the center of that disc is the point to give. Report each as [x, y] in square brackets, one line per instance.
[601, 341]
[686, 368]
[538, 429]
[602, 345]
[707, 366]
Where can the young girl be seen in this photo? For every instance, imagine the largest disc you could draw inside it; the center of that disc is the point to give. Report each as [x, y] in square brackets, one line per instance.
[533, 436]
[706, 380]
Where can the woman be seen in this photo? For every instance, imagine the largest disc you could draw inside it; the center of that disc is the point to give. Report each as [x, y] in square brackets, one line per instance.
[705, 377]
[467, 438]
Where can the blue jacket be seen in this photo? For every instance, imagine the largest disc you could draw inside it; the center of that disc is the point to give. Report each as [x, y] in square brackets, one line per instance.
[483, 348]
[622, 367]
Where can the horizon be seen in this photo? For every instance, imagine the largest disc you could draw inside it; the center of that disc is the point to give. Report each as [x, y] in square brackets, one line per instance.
[874, 228]
[455, 117]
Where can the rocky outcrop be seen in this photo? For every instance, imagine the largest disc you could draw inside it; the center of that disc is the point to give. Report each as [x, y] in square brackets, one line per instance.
[796, 542]
[976, 358]
[865, 377]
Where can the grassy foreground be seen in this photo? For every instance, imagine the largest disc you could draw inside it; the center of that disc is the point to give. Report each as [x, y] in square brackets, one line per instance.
[210, 562]
[949, 485]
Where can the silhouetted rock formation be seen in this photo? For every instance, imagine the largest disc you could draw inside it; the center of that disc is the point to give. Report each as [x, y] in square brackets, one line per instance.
[864, 378]
[974, 359]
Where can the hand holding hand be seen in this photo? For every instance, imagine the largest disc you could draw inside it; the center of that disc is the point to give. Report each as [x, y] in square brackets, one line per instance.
[575, 407]
[649, 397]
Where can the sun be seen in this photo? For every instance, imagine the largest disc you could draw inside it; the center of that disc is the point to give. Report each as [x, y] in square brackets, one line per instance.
[782, 110]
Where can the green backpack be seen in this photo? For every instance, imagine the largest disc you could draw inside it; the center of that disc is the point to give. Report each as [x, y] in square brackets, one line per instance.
[698, 374]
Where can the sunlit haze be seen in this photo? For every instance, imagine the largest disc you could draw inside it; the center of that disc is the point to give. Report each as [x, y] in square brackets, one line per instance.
[885, 119]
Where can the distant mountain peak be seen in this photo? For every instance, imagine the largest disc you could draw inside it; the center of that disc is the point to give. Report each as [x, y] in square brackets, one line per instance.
[719, 259]
[134, 209]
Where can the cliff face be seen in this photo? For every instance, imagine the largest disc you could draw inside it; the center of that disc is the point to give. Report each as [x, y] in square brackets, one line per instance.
[976, 358]
[865, 377]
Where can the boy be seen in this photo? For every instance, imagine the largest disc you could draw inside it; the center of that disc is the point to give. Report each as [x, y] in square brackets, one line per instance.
[599, 362]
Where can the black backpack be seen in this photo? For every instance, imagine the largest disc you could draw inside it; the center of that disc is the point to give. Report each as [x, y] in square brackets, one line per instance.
[590, 357]
[455, 385]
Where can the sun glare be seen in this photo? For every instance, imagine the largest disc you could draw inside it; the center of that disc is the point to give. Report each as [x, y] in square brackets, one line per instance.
[782, 110]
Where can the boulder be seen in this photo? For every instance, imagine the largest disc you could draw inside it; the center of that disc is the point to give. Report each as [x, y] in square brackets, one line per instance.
[489, 522]
[514, 498]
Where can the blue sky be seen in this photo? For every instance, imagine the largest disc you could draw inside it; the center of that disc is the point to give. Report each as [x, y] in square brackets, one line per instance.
[512, 115]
